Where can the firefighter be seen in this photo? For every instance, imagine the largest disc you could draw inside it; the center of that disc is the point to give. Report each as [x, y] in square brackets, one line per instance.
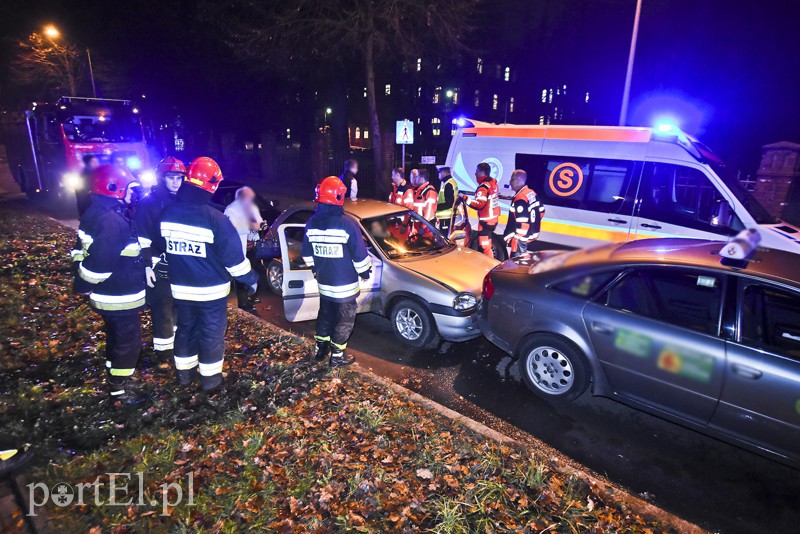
[110, 270]
[425, 196]
[169, 172]
[402, 193]
[335, 250]
[487, 203]
[204, 252]
[524, 217]
[446, 205]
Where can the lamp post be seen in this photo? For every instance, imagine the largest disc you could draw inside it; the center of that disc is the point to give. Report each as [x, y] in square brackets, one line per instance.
[52, 33]
[626, 92]
[328, 111]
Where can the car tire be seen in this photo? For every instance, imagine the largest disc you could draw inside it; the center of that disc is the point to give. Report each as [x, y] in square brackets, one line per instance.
[499, 248]
[553, 368]
[275, 277]
[412, 323]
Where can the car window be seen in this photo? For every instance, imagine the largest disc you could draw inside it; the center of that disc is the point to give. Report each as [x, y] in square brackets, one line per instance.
[404, 234]
[683, 298]
[294, 245]
[585, 285]
[771, 320]
[581, 183]
[299, 217]
[684, 196]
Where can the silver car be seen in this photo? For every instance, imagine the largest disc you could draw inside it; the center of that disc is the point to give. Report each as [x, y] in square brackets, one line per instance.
[665, 325]
[425, 284]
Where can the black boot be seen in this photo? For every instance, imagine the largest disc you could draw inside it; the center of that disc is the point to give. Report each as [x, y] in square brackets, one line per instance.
[340, 359]
[187, 376]
[125, 392]
[323, 348]
[211, 383]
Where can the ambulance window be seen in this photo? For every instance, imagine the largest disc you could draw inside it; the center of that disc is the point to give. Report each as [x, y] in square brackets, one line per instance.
[608, 185]
[683, 196]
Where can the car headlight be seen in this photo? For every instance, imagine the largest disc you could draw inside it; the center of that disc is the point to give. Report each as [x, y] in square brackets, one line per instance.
[465, 302]
[133, 163]
[147, 178]
[73, 181]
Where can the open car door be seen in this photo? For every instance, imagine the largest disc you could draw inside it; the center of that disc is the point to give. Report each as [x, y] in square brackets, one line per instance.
[300, 290]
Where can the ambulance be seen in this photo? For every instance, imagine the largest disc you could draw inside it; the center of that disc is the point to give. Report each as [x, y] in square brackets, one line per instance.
[603, 184]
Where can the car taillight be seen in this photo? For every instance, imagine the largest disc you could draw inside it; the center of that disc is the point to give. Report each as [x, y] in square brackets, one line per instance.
[488, 287]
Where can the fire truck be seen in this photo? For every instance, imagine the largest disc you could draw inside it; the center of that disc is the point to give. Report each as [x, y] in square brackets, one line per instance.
[47, 143]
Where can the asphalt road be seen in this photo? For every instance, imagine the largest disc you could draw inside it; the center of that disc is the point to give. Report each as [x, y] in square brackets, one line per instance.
[703, 480]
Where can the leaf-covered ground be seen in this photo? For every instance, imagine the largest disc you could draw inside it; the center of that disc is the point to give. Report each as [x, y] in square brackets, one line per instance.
[287, 447]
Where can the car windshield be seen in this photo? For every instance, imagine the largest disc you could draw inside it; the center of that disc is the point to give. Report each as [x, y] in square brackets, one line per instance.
[753, 206]
[121, 128]
[404, 235]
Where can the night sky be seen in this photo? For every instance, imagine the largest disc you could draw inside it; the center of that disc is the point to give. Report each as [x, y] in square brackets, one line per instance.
[728, 71]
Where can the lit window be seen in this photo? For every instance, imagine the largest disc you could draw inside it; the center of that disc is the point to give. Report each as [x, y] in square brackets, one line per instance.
[587, 98]
[494, 101]
[419, 92]
[436, 128]
[453, 126]
[419, 64]
[365, 92]
[455, 96]
[507, 75]
[366, 133]
[511, 105]
[436, 120]
[437, 95]
[358, 133]
[477, 98]
[544, 96]
[388, 89]
[288, 133]
[550, 97]
[480, 66]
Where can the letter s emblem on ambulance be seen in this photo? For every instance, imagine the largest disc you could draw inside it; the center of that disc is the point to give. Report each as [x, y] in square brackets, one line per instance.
[566, 179]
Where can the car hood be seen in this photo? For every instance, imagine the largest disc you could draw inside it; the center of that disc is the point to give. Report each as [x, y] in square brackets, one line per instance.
[461, 269]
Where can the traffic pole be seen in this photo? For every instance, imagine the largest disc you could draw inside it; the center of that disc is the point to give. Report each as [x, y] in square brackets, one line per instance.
[626, 93]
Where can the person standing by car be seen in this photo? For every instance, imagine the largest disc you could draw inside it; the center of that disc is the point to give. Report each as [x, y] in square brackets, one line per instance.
[446, 204]
[334, 248]
[204, 253]
[170, 172]
[111, 272]
[245, 217]
[487, 203]
[348, 178]
[402, 193]
[425, 196]
[524, 217]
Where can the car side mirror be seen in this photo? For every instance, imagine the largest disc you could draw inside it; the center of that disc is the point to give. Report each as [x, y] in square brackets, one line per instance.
[458, 235]
[723, 215]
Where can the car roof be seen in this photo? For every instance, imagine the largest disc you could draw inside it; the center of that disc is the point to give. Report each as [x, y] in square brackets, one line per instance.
[777, 265]
[360, 209]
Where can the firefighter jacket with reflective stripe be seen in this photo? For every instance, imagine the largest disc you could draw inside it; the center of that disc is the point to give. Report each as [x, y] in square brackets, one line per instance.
[334, 249]
[202, 247]
[108, 256]
[525, 216]
[148, 211]
[425, 201]
[402, 195]
[487, 201]
[448, 193]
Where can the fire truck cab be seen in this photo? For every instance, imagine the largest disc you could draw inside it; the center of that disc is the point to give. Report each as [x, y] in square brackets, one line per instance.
[47, 145]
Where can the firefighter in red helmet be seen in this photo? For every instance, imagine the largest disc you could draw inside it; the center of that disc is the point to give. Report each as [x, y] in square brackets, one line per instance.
[110, 270]
[335, 251]
[487, 203]
[170, 173]
[204, 253]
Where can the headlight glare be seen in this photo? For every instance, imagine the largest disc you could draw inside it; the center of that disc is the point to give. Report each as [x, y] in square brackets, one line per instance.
[465, 302]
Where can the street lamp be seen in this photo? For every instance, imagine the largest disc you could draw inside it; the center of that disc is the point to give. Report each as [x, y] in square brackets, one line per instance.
[52, 33]
[626, 92]
[328, 111]
[449, 93]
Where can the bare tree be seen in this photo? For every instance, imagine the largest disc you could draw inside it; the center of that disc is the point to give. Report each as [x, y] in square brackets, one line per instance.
[48, 64]
[372, 32]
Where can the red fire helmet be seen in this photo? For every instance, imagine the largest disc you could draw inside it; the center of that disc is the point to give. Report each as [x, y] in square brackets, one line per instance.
[331, 190]
[111, 180]
[170, 164]
[204, 173]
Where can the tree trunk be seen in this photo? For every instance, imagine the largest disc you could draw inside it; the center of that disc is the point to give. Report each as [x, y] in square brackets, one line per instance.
[375, 126]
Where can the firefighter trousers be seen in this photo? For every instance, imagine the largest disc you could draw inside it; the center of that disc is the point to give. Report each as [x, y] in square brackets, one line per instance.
[200, 338]
[123, 344]
[335, 322]
[485, 236]
[162, 311]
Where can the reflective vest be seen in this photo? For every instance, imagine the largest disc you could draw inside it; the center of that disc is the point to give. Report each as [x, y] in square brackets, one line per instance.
[448, 193]
[425, 201]
[402, 195]
[525, 216]
[487, 202]
[110, 265]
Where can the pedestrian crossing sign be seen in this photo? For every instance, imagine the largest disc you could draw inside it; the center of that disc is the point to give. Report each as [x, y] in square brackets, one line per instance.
[404, 133]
